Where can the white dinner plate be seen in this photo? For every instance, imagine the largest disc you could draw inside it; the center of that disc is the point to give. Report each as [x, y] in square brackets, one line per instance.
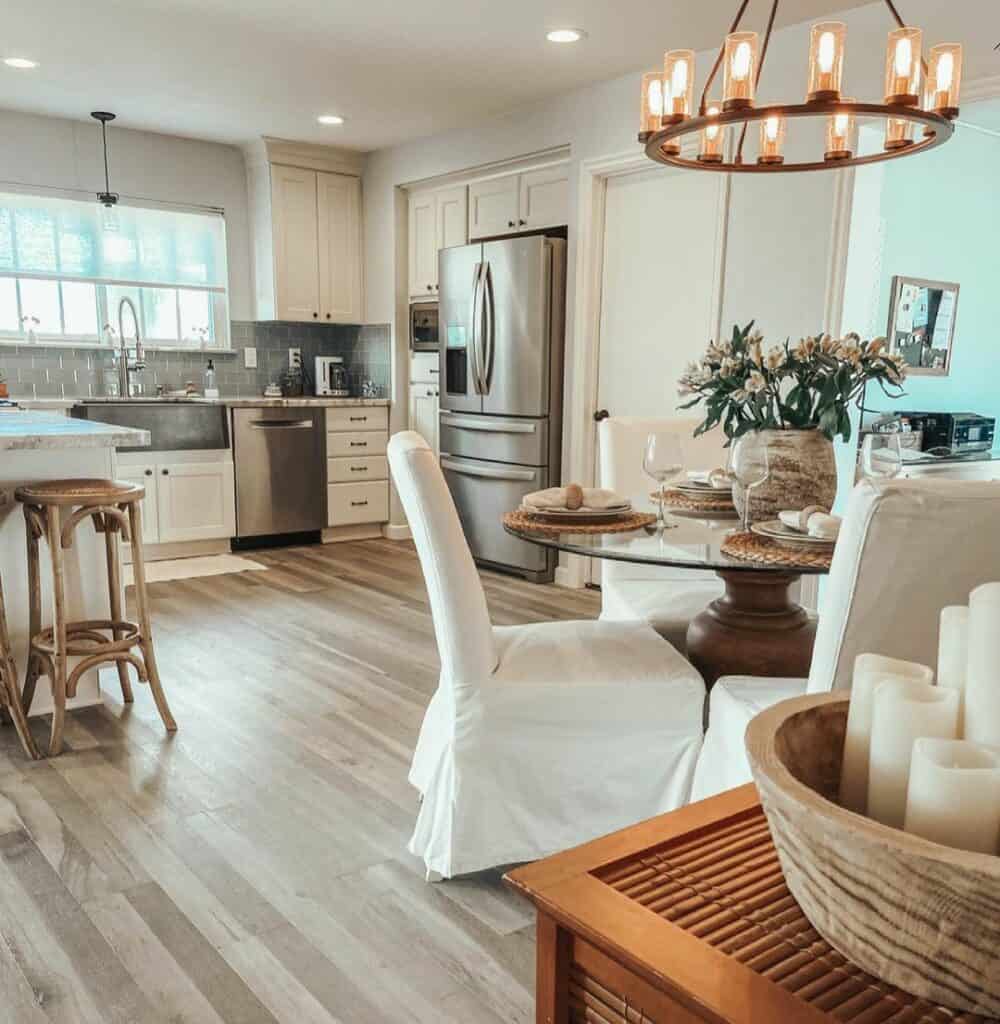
[702, 490]
[590, 514]
[774, 529]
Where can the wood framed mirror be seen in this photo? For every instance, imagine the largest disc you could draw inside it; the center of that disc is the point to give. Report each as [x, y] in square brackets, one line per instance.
[922, 324]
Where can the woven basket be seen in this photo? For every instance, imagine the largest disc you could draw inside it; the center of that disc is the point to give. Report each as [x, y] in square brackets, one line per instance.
[920, 916]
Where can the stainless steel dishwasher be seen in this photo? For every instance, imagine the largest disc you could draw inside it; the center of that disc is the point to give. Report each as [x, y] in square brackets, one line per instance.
[280, 470]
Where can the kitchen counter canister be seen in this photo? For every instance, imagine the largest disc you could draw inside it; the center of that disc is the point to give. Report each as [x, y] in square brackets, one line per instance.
[37, 431]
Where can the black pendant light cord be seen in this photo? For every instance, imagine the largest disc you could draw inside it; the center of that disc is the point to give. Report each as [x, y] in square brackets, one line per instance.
[107, 197]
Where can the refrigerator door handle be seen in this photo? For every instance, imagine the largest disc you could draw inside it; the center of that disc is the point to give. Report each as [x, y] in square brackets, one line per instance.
[489, 426]
[490, 329]
[490, 474]
[477, 324]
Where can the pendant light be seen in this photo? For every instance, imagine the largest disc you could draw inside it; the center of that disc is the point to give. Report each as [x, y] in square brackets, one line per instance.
[107, 198]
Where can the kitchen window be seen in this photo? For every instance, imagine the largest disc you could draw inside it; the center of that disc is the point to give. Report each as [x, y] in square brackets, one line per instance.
[65, 264]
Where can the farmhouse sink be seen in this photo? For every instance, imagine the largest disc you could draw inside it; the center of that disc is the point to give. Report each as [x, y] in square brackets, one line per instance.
[174, 425]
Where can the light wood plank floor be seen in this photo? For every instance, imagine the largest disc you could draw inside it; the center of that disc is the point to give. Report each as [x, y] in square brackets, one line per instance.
[253, 868]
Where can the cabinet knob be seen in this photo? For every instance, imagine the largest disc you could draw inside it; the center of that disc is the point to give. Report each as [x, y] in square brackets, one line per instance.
[328, 316]
[522, 223]
[430, 394]
[149, 472]
[430, 287]
[165, 472]
[511, 224]
[315, 316]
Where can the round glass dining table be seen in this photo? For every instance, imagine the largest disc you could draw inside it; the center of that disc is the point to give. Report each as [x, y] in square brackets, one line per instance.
[755, 627]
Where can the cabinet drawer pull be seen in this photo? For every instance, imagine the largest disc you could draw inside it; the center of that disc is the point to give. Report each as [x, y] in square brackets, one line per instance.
[359, 444]
[356, 503]
[359, 469]
[359, 419]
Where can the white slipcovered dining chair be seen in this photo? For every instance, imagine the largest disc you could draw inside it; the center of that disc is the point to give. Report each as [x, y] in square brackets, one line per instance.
[907, 549]
[539, 737]
[668, 599]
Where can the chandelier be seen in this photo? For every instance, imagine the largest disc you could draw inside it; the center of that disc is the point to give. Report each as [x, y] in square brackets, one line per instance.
[913, 123]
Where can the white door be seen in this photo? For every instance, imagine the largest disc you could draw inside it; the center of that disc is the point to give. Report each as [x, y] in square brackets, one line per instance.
[424, 404]
[423, 246]
[338, 199]
[145, 475]
[493, 206]
[452, 219]
[660, 288]
[197, 501]
[296, 269]
[544, 198]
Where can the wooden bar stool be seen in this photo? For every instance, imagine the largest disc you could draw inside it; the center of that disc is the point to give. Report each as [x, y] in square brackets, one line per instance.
[54, 509]
[10, 693]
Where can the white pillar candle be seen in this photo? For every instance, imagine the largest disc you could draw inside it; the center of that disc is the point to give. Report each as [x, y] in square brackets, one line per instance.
[953, 653]
[903, 711]
[982, 683]
[953, 796]
[869, 669]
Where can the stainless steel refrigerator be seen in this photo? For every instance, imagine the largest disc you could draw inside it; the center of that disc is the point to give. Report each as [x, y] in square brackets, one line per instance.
[502, 326]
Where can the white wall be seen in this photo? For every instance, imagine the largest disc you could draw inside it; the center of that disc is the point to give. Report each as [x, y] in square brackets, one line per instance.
[56, 153]
[780, 233]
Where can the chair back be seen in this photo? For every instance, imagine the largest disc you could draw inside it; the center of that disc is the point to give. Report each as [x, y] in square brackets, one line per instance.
[907, 549]
[458, 605]
[621, 445]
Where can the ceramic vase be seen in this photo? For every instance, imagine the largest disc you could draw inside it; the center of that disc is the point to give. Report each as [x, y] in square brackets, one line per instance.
[802, 471]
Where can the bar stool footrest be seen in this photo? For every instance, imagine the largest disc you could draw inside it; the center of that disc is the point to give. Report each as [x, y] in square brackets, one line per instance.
[86, 638]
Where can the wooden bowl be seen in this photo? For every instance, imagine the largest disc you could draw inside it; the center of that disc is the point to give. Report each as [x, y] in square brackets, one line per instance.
[921, 916]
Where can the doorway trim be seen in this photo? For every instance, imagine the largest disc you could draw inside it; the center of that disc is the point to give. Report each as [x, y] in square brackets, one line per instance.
[584, 359]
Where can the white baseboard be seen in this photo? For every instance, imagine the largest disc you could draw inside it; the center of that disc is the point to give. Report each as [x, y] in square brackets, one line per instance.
[565, 578]
[393, 532]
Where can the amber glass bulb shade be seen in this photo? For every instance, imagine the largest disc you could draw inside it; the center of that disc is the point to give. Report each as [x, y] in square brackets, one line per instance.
[650, 104]
[898, 133]
[944, 78]
[739, 70]
[772, 140]
[713, 138]
[826, 60]
[840, 134]
[678, 85]
[902, 67]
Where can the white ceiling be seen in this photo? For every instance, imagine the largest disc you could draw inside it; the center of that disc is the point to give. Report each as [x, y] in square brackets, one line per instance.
[233, 70]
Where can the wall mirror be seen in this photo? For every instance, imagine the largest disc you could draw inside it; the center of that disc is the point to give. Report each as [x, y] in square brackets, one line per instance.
[922, 324]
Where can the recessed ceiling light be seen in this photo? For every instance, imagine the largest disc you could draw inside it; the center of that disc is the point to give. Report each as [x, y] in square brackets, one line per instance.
[330, 119]
[20, 62]
[566, 35]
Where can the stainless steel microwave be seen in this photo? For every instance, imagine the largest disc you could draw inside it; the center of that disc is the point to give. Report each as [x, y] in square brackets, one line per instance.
[424, 327]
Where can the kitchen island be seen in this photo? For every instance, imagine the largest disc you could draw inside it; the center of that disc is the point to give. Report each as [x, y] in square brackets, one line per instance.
[37, 446]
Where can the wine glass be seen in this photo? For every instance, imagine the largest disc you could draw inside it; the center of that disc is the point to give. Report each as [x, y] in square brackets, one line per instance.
[751, 467]
[882, 456]
[663, 460]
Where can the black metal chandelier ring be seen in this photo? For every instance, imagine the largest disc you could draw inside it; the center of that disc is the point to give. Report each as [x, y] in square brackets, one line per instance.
[664, 146]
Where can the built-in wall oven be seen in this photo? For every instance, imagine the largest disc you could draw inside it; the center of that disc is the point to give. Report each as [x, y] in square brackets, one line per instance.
[424, 327]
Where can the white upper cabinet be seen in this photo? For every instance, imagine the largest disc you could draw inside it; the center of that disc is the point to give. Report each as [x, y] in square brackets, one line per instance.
[519, 202]
[544, 198]
[493, 206]
[296, 234]
[437, 220]
[338, 202]
[305, 202]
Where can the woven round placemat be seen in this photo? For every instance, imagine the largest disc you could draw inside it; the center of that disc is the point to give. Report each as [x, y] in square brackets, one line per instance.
[677, 499]
[519, 520]
[750, 547]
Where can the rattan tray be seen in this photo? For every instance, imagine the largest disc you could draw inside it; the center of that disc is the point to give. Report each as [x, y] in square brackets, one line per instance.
[685, 503]
[518, 520]
[749, 547]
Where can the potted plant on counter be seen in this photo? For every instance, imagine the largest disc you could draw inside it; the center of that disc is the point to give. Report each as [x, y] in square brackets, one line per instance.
[4, 393]
[791, 399]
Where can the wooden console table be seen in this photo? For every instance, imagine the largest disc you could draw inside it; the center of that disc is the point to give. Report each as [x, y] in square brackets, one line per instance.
[685, 919]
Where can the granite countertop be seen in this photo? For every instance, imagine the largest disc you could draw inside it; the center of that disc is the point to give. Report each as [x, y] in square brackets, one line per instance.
[258, 402]
[21, 430]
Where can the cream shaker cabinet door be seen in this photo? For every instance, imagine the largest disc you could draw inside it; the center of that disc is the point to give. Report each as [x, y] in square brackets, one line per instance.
[424, 406]
[196, 501]
[145, 475]
[338, 198]
[423, 245]
[296, 275]
[544, 198]
[452, 219]
[493, 207]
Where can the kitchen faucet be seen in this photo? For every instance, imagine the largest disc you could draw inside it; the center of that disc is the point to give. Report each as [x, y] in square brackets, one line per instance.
[126, 388]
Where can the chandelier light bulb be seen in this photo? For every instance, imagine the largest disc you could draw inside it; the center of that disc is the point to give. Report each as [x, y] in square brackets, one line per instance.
[944, 79]
[712, 138]
[826, 61]
[678, 85]
[772, 138]
[651, 104]
[739, 71]
[742, 58]
[904, 57]
[840, 134]
[827, 51]
[902, 70]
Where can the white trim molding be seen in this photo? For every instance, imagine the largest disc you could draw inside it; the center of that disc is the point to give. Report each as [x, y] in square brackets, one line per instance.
[391, 531]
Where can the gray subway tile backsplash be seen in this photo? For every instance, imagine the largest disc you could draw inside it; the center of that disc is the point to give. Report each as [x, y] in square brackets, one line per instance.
[40, 371]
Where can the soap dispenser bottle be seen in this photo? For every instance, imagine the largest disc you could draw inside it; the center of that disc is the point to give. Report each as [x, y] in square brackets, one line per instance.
[211, 391]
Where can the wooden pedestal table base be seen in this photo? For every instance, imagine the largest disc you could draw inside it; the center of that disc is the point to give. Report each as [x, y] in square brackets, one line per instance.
[755, 628]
